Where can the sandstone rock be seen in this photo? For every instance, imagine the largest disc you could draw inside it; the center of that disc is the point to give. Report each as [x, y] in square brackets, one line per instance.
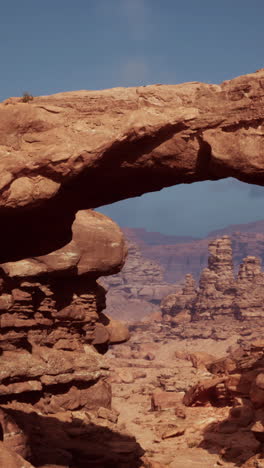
[51, 305]
[118, 331]
[105, 413]
[172, 432]
[220, 294]
[51, 320]
[179, 305]
[126, 376]
[215, 294]
[257, 391]
[136, 291]
[163, 400]
[12, 435]
[249, 298]
[180, 412]
[10, 459]
[201, 359]
[206, 391]
[182, 255]
[63, 164]
[97, 248]
[257, 461]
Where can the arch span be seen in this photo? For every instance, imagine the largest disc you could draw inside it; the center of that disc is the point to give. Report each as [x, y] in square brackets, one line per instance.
[84, 149]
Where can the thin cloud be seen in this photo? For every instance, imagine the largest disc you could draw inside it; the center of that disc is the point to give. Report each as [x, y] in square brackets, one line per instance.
[137, 16]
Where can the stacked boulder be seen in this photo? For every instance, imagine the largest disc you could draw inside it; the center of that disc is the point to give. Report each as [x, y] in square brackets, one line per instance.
[216, 286]
[220, 294]
[52, 324]
[177, 307]
[249, 300]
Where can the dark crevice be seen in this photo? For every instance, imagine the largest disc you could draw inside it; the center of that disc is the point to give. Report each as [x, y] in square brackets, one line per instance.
[204, 157]
[134, 147]
[254, 123]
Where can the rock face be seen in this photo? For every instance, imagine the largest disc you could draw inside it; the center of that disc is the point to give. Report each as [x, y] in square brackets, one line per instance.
[72, 151]
[51, 321]
[77, 150]
[237, 382]
[215, 295]
[178, 306]
[249, 302]
[137, 290]
[179, 256]
[220, 294]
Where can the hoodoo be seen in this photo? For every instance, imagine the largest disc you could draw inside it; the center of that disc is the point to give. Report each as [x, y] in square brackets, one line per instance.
[220, 294]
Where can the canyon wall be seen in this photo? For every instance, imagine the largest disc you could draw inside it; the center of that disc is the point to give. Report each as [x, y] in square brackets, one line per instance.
[136, 292]
[179, 256]
[220, 294]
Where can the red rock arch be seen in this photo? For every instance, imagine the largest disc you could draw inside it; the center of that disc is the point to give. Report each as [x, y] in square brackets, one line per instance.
[77, 150]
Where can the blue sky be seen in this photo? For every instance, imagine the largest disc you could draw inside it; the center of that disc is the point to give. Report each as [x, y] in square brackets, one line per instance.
[62, 45]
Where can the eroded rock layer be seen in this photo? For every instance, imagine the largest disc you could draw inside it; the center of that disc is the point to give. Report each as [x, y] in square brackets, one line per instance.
[136, 292]
[219, 294]
[77, 150]
[63, 153]
[51, 321]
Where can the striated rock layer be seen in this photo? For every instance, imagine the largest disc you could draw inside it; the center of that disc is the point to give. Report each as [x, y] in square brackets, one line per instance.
[136, 292]
[179, 256]
[64, 153]
[220, 294]
[51, 321]
[77, 150]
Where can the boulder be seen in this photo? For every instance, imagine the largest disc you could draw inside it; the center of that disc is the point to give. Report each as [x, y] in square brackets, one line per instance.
[10, 459]
[161, 400]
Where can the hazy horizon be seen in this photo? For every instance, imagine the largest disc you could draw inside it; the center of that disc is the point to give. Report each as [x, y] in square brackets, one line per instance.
[191, 209]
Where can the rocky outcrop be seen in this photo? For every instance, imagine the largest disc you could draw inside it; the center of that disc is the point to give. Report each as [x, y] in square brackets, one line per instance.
[52, 322]
[249, 300]
[220, 294]
[179, 256]
[77, 150]
[237, 382]
[178, 306]
[64, 153]
[135, 292]
[215, 295]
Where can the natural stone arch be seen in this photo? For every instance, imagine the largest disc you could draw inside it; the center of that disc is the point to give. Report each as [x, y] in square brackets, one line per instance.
[77, 150]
